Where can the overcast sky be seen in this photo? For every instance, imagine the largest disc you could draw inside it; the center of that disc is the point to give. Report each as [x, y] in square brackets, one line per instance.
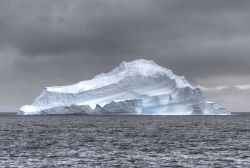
[59, 42]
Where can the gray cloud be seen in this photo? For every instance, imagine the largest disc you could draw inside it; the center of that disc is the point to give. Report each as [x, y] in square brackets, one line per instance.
[63, 41]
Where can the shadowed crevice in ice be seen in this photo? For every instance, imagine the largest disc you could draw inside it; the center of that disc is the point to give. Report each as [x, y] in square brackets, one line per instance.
[136, 87]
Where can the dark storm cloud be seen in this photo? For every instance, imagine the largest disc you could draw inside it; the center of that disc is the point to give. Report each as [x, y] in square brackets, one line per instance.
[63, 41]
[201, 34]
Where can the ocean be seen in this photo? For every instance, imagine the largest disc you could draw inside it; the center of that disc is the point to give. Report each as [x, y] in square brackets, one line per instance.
[125, 141]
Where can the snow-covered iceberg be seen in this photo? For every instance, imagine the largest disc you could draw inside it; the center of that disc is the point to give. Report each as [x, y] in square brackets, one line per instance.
[136, 87]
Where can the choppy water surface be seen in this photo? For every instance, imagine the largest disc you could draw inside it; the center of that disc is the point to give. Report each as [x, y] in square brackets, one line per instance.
[125, 141]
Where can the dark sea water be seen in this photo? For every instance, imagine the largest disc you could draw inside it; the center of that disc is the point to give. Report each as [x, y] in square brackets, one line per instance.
[125, 141]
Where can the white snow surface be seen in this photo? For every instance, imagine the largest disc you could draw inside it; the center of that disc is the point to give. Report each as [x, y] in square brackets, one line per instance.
[136, 87]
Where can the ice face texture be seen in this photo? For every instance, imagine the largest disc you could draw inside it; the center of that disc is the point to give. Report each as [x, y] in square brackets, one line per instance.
[136, 87]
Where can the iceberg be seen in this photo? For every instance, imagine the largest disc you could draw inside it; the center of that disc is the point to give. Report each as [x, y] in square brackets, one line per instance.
[139, 87]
